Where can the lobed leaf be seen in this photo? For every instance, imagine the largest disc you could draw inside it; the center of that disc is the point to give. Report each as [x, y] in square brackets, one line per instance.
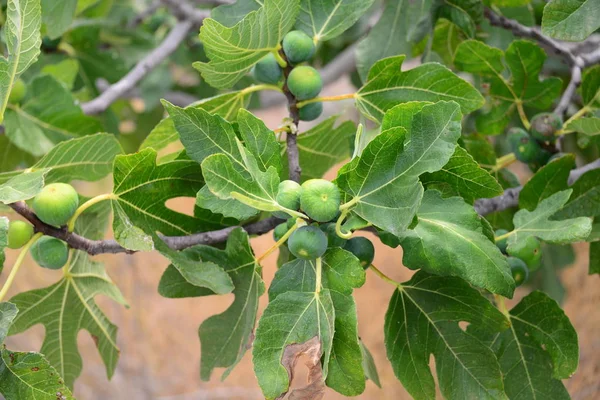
[538, 350]
[448, 240]
[387, 86]
[234, 50]
[383, 183]
[583, 202]
[551, 178]
[572, 20]
[423, 319]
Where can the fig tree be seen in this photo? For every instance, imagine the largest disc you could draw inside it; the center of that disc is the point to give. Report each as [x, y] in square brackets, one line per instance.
[311, 111]
[304, 82]
[320, 199]
[298, 46]
[18, 91]
[518, 269]
[308, 242]
[19, 233]
[528, 250]
[544, 126]
[363, 249]
[525, 148]
[56, 203]
[501, 244]
[268, 70]
[333, 239]
[50, 252]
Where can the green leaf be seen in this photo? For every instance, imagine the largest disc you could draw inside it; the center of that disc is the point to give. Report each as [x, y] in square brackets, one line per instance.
[398, 28]
[8, 312]
[199, 273]
[162, 135]
[173, 285]
[12, 157]
[23, 20]
[141, 189]
[233, 51]
[446, 38]
[539, 349]
[387, 86]
[449, 240]
[384, 181]
[65, 71]
[548, 180]
[510, 3]
[322, 147]
[326, 19]
[341, 273]
[462, 176]
[590, 87]
[525, 61]
[291, 320]
[67, 307]
[3, 245]
[538, 223]
[231, 14]
[594, 267]
[466, 14]
[50, 115]
[422, 319]
[30, 376]
[584, 199]
[23, 186]
[572, 20]
[588, 126]
[226, 337]
[369, 365]
[89, 158]
[554, 258]
[57, 16]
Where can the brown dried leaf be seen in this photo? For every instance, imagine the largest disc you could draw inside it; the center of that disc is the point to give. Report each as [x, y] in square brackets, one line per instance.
[315, 389]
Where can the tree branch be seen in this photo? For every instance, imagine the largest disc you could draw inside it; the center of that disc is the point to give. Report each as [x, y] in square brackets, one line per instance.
[510, 197]
[145, 13]
[292, 140]
[147, 64]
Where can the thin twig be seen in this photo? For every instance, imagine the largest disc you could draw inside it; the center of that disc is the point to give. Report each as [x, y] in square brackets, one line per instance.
[510, 197]
[145, 13]
[147, 64]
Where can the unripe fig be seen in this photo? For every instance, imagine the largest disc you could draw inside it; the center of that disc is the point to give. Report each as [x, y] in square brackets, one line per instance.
[56, 203]
[19, 233]
[268, 70]
[308, 242]
[528, 250]
[363, 249]
[50, 252]
[311, 111]
[304, 82]
[18, 91]
[501, 244]
[279, 231]
[298, 47]
[544, 126]
[333, 239]
[525, 148]
[320, 199]
[518, 269]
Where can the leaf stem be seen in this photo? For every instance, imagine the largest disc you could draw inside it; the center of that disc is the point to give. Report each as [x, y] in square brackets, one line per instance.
[262, 86]
[85, 206]
[578, 114]
[282, 63]
[18, 263]
[338, 225]
[504, 162]
[327, 98]
[502, 237]
[384, 276]
[299, 222]
[318, 272]
[501, 305]
[522, 115]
